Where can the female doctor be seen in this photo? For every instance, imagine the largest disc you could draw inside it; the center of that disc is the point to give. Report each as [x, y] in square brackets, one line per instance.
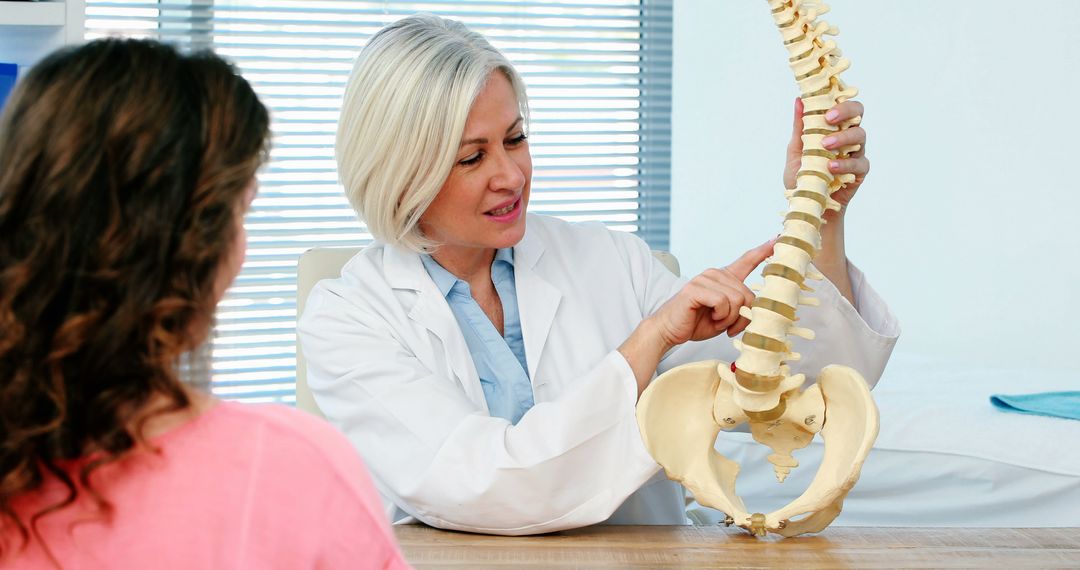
[486, 362]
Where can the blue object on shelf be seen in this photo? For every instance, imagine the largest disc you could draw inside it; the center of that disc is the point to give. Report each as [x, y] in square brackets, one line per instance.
[8, 71]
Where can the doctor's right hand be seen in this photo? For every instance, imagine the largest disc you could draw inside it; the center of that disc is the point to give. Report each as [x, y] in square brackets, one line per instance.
[705, 307]
[709, 303]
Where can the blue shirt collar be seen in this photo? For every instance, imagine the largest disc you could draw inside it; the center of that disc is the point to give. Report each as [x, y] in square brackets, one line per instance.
[445, 280]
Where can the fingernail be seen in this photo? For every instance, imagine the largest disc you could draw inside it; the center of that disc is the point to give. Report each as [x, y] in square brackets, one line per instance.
[832, 115]
[828, 142]
[834, 165]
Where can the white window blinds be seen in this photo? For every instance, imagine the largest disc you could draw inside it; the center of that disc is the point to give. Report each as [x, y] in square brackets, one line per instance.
[599, 82]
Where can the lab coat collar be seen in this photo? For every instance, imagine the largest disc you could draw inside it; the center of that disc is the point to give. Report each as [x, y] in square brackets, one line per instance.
[405, 271]
[403, 268]
[537, 300]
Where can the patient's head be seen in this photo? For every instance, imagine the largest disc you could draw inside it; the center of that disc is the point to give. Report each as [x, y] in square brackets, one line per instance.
[125, 171]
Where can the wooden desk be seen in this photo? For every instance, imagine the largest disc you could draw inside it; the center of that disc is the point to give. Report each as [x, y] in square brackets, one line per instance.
[718, 547]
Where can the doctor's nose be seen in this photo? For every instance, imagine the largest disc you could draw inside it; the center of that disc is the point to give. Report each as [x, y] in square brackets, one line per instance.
[509, 174]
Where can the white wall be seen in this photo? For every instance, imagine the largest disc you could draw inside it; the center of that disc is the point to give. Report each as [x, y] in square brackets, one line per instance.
[968, 222]
[30, 31]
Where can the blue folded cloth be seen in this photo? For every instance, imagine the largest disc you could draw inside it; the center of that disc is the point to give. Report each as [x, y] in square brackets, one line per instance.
[1055, 404]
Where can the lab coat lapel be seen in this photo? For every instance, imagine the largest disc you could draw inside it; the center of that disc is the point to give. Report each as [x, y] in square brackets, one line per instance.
[537, 301]
[404, 270]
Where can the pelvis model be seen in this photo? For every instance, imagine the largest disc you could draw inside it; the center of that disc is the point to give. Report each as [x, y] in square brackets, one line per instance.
[683, 410]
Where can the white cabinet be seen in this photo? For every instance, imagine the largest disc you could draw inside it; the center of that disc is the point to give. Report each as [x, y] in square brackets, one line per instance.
[30, 30]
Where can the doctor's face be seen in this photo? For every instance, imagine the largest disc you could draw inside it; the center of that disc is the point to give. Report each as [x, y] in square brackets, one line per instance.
[482, 203]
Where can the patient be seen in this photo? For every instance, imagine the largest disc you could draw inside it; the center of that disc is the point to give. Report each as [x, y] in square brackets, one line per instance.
[125, 172]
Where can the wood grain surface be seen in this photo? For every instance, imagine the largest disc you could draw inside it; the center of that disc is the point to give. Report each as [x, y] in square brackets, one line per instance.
[719, 547]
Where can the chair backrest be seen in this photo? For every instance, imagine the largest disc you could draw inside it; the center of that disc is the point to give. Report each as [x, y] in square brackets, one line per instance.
[668, 259]
[313, 266]
[325, 263]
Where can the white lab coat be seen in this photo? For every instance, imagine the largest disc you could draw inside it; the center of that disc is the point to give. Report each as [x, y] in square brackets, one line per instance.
[388, 365]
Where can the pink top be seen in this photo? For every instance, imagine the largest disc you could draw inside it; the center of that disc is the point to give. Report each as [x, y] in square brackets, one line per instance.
[240, 486]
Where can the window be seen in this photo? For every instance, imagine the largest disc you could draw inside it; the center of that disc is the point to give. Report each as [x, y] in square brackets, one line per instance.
[599, 80]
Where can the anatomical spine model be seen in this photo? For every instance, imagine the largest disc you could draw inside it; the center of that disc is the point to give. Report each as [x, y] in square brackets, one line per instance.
[683, 410]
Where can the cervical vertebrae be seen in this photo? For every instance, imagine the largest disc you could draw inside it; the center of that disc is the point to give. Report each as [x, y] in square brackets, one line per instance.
[683, 410]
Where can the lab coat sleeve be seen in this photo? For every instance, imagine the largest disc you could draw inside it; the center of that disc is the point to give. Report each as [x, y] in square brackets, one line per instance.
[862, 339]
[566, 464]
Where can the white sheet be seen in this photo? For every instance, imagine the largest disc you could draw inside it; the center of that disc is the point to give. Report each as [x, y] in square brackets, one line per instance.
[944, 456]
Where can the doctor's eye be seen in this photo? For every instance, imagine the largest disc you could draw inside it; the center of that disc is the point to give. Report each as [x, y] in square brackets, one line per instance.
[471, 160]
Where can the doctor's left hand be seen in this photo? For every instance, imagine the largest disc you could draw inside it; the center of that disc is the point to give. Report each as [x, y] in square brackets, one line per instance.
[856, 163]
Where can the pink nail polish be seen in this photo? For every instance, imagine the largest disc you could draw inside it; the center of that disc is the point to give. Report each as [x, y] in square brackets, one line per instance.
[834, 165]
[828, 142]
[832, 115]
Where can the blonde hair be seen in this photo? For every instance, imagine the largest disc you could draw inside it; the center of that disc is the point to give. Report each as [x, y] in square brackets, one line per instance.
[403, 116]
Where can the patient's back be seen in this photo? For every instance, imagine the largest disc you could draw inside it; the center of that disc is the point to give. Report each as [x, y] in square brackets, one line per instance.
[239, 486]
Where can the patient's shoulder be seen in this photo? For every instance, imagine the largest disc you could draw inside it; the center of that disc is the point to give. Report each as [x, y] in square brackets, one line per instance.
[282, 433]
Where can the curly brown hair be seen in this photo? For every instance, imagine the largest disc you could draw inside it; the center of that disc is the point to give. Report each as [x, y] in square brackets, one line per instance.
[123, 167]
